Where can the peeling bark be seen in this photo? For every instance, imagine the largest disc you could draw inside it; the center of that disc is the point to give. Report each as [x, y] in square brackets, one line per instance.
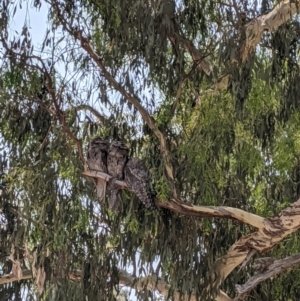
[276, 229]
[282, 13]
[274, 269]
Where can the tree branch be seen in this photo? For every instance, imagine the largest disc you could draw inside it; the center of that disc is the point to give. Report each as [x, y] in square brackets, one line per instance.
[282, 13]
[189, 47]
[177, 38]
[278, 267]
[26, 274]
[100, 117]
[59, 112]
[275, 230]
[200, 211]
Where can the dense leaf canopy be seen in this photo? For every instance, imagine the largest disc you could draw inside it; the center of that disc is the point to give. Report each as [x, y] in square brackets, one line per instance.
[215, 124]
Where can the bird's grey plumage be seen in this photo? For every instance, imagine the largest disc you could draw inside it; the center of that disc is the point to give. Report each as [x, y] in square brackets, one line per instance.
[137, 178]
[97, 161]
[116, 160]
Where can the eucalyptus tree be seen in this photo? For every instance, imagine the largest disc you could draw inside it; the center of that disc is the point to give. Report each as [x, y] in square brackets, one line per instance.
[206, 94]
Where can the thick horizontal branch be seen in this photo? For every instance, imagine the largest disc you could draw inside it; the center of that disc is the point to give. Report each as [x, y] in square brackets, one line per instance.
[200, 211]
[214, 211]
[277, 267]
[26, 274]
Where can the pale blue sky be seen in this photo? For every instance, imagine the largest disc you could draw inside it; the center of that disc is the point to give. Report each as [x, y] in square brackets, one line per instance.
[36, 19]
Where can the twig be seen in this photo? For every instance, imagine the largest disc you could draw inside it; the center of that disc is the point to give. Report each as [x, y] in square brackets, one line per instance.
[100, 117]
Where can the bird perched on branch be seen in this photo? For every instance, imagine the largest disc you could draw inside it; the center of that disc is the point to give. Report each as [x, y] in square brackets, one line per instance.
[137, 178]
[97, 161]
[116, 161]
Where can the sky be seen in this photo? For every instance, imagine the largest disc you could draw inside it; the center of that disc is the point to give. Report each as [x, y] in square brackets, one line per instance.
[36, 19]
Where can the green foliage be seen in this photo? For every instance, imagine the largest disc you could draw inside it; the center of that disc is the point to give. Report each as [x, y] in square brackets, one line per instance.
[236, 148]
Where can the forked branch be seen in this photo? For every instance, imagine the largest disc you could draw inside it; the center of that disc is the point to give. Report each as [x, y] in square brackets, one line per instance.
[282, 13]
[274, 231]
[277, 267]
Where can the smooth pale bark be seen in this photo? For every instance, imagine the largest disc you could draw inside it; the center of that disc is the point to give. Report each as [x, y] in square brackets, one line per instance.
[282, 13]
[26, 274]
[254, 30]
[200, 211]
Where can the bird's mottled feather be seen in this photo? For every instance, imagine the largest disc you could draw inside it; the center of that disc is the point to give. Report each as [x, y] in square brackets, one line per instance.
[116, 161]
[97, 161]
[137, 178]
